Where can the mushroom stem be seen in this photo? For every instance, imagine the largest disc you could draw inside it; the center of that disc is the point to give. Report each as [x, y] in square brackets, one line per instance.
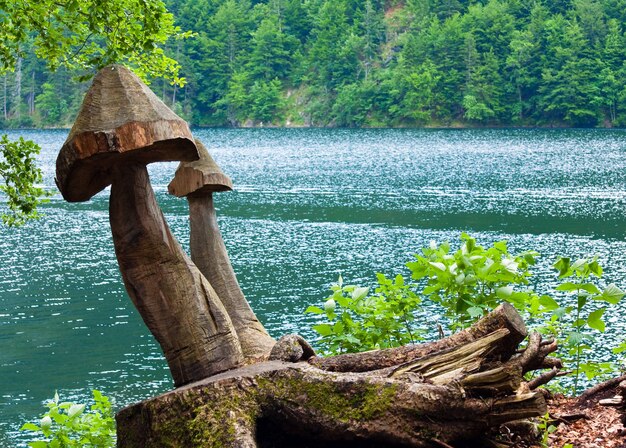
[176, 302]
[209, 254]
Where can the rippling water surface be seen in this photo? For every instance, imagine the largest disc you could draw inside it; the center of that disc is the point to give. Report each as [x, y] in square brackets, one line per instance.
[308, 205]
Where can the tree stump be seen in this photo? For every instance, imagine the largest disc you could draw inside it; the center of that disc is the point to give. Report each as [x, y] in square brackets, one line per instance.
[444, 393]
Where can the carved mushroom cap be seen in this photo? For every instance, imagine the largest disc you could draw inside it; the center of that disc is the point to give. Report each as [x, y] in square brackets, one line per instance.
[121, 121]
[199, 177]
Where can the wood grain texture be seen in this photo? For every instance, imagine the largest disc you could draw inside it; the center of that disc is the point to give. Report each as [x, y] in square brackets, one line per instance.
[199, 177]
[452, 396]
[121, 121]
[177, 303]
[197, 181]
[209, 253]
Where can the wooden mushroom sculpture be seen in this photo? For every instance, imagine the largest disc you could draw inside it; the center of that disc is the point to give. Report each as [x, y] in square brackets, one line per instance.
[198, 180]
[447, 392]
[121, 127]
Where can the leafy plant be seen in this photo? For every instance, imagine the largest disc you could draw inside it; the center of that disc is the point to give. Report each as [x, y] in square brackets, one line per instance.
[620, 350]
[468, 283]
[578, 329]
[545, 428]
[472, 280]
[20, 175]
[69, 425]
[359, 321]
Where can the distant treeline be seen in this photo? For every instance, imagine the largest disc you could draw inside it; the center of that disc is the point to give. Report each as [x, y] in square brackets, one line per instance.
[375, 63]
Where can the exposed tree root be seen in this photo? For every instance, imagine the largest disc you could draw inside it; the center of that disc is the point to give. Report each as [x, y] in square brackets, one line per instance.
[445, 394]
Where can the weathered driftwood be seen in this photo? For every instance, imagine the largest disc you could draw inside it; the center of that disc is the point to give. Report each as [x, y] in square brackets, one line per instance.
[121, 127]
[197, 181]
[452, 395]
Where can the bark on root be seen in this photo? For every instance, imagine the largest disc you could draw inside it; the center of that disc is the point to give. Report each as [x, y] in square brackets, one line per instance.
[446, 392]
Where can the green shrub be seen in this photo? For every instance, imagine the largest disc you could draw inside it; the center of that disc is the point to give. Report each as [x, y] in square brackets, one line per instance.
[69, 425]
[471, 281]
[361, 321]
[467, 283]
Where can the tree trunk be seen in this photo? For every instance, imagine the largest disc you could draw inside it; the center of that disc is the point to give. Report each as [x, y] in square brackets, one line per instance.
[31, 96]
[175, 90]
[18, 88]
[5, 100]
[209, 254]
[453, 393]
[176, 302]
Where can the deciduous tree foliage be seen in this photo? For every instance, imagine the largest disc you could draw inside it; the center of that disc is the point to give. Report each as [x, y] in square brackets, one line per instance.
[74, 35]
[20, 176]
[89, 34]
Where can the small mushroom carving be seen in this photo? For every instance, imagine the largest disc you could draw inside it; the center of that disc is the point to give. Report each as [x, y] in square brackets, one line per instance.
[121, 127]
[197, 181]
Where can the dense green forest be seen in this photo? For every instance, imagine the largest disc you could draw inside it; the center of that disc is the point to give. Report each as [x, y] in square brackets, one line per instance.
[374, 63]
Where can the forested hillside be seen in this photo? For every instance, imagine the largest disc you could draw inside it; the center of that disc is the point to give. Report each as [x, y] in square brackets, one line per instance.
[375, 63]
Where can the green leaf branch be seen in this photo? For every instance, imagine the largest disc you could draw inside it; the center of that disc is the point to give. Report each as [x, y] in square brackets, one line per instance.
[20, 177]
[74, 425]
[90, 34]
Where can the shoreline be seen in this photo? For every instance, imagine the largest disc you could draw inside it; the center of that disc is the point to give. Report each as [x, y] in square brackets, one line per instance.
[295, 126]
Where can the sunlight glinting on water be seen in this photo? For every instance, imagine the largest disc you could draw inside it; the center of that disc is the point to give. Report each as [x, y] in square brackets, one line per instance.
[308, 205]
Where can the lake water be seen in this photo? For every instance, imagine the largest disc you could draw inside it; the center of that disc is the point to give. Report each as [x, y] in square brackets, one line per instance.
[308, 204]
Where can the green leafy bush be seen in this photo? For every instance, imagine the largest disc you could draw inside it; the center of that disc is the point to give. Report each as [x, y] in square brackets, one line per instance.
[361, 321]
[574, 325]
[472, 280]
[69, 425]
[467, 283]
